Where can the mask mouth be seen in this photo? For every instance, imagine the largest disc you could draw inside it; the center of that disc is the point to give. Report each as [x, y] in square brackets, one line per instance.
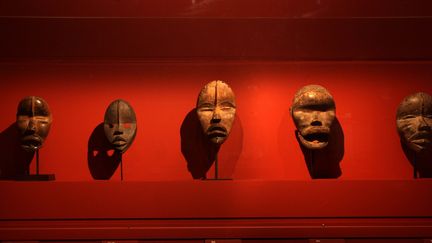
[421, 139]
[31, 142]
[421, 135]
[217, 134]
[119, 141]
[315, 138]
[318, 137]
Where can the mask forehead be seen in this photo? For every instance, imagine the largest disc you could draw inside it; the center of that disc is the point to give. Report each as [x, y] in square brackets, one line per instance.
[216, 92]
[33, 106]
[415, 104]
[313, 96]
[119, 111]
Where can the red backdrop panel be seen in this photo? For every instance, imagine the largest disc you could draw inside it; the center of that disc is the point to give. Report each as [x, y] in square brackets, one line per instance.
[262, 144]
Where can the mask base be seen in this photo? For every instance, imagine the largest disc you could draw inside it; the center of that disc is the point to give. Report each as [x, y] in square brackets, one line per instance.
[37, 176]
[40, 177]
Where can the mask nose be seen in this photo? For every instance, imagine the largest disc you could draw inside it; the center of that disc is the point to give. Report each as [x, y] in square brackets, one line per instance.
[423, 125]
[316, 123]
[216, 118]
[31, 128]
[118, 129]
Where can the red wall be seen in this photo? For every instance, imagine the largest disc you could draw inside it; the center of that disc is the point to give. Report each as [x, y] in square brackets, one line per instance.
[80, 55]
[262, 144]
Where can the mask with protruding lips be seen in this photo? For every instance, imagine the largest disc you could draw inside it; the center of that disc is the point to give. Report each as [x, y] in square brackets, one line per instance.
[313, 111]
[216, 109]
[33, 120]
[120, 125]
[414, 121]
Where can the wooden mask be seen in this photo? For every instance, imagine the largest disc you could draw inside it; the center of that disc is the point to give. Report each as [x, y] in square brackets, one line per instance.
[120, 125]
[216, 110]
[414, 122]
[33, 121]
[313, 112]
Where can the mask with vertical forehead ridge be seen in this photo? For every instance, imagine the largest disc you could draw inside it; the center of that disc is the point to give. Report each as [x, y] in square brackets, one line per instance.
[120, 125]
[33, 120]
[414, 121]
[313, 112]
[216, 109]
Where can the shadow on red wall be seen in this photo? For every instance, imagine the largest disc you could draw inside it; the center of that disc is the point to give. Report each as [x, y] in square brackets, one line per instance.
[421, 162]
[325, 163]
[15, 161]
[200, 154]
[102, 159]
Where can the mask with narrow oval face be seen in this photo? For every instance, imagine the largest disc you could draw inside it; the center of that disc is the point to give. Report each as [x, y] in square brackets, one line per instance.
[414, 122]
[120, 125]
[33, 120]
[313, 112]
[216, 110]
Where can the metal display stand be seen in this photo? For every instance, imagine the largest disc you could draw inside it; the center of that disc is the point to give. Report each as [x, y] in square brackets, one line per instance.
[216, 175]
[37, 176]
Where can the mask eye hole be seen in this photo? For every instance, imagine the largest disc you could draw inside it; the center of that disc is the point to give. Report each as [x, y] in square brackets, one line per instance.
[409, 117]
[110, 125]
[110, 152]
[206, 107]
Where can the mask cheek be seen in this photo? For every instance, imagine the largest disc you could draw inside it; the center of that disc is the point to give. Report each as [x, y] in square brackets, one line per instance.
[127, 136]
[300, 119]
[405, 129]
[21, 128]
[228, 119]
[327, 118]
[43, 131]
[204, 119]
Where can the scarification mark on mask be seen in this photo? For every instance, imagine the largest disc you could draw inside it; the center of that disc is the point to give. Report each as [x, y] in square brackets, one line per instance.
[215, 102]
[33, 106]
[118, 113]
[423, 114]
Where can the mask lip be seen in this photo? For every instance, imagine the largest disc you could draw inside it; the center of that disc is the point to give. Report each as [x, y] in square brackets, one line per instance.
[119, 139]
[31, 142]
[420, 141]
[310, 144]
[314, 137]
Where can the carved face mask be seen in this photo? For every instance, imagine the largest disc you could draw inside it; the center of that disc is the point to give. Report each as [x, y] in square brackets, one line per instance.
[313, 111]
[414, 121]
[33, 120]
[216, 110]
[120, 125]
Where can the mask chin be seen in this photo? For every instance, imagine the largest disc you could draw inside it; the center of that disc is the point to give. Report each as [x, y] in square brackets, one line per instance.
[419, 148]
[217, 138]
[29, 148]
[121, 148]
[31, 144]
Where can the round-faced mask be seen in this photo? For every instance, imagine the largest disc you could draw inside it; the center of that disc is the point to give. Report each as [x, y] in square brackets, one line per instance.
[414, 122]
[216, 110]
[120, 125]
[313, 111]
[33, 120]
